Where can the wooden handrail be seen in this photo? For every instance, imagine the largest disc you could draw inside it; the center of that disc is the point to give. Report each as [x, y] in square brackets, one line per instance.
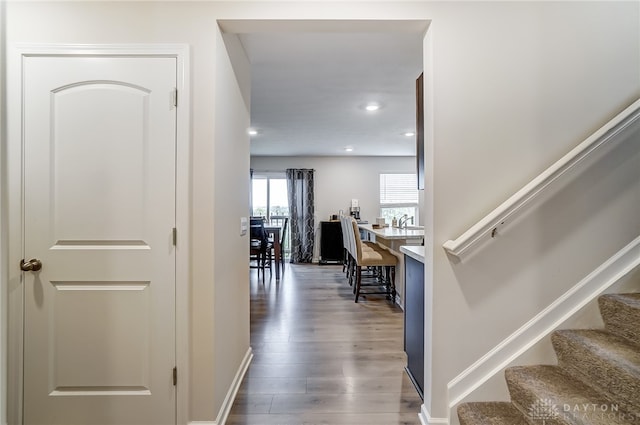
[487, 229]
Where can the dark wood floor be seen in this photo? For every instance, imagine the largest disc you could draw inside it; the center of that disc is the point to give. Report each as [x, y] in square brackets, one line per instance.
[320, 358]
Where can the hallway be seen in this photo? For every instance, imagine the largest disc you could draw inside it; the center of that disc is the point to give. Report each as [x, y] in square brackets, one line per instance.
[320, 358]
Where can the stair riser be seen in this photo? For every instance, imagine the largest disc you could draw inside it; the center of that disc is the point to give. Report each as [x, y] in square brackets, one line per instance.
[597, 372]
[490, 413]
[621, 318]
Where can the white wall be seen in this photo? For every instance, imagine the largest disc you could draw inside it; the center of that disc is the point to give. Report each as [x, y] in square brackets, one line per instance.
[515, 85]
[231, 201]
[3, 224]
[338, 179]
[217, 344]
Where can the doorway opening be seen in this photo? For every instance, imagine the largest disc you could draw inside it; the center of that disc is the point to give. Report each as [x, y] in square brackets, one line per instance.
[312, 84]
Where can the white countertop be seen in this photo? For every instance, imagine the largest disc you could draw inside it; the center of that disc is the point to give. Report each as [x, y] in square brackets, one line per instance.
[414, 251]
[393, 232]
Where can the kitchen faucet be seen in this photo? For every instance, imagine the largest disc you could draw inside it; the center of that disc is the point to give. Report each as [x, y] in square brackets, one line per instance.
[403, 221]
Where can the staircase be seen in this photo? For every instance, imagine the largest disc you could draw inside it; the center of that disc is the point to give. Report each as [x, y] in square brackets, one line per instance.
[596, 380]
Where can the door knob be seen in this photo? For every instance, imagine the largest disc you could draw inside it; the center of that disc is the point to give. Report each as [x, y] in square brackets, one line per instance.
[32, 265]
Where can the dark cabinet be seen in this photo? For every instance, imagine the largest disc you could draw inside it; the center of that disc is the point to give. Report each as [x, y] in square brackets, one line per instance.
[414, 321]
[331, 247]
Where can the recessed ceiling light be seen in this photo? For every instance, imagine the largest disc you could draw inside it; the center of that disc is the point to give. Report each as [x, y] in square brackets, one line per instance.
[348, 149]
[409, 134]
[252, 132]
[371, 107]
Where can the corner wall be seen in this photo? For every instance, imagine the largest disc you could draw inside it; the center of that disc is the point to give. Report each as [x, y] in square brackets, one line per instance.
[516, 86]
[231, 201]
[193, 23]
[4, 276]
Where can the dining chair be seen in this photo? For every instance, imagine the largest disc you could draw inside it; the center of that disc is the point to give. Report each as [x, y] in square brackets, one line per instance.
[283, 240]
[278, 220]
[346, 255]
[349, 241]
[281, 221]
[373, 256]
[259, 246]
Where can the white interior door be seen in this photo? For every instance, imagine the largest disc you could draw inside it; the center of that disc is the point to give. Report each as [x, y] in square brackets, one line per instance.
[99, 212]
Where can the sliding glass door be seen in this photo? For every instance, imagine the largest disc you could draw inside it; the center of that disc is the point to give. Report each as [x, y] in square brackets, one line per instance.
[269, 199]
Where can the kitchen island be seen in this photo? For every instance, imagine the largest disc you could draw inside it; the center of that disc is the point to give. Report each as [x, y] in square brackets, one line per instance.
[414, 314]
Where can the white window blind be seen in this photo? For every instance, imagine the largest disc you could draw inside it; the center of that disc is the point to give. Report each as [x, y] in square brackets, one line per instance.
[398, 189]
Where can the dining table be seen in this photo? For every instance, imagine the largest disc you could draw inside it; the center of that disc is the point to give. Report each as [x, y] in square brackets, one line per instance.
[274, 237]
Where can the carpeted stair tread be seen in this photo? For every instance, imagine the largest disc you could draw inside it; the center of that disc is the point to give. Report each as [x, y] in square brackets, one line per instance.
[621, 315]
[606, 362]
[596, 381]
[490, 413]
[544, 392]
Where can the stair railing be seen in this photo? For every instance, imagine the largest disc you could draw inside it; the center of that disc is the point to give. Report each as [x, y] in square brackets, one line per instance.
[487, 229]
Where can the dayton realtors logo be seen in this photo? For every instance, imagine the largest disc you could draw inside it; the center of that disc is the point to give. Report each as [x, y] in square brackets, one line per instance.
[544, 410]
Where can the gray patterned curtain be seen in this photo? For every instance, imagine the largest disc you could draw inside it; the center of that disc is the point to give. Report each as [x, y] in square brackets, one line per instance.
[301, 212]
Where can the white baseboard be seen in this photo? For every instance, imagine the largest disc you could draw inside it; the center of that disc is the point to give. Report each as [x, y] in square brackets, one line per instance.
[611, 271]
[233, 391]
[201, 423]
[426, 419]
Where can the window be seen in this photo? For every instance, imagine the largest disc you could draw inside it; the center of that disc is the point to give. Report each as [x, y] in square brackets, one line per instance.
[259, 196]
[398, 196]
[269, 196]
[278, 199]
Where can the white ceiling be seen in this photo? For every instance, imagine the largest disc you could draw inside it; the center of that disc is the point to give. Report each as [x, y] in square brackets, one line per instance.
[309, 91]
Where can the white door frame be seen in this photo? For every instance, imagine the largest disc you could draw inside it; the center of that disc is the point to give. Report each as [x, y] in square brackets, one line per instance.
[12, 293]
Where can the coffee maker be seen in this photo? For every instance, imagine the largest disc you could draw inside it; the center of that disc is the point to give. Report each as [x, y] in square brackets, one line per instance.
[354, 209]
